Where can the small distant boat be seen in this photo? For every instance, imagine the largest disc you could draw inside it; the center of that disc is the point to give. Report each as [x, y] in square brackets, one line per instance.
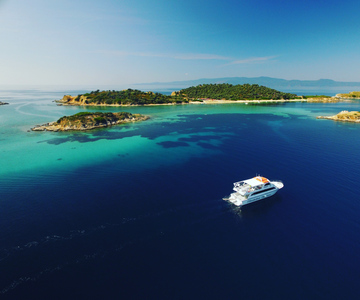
[253, 189]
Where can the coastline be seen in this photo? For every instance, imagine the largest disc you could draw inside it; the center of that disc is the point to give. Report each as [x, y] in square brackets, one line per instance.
[209, 101]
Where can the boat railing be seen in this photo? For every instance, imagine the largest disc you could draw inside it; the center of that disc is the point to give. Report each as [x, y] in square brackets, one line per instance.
[277, 180]
[278, 183]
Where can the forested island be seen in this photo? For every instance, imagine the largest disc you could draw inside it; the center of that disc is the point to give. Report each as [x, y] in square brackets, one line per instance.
[226, 91]
[344, 116]
[87, 121]
[192, 94]
[125, 97]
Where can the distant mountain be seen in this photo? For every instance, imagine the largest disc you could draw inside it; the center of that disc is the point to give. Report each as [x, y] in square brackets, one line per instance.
[274, 83]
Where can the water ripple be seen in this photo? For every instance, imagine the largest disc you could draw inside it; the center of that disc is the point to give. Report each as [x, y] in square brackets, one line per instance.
[210, 211]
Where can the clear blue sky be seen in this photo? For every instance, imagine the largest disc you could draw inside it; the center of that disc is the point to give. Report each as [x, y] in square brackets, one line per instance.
[138, 41]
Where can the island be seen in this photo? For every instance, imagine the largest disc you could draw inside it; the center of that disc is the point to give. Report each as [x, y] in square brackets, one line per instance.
[119, 98]
[344, 116]
[351, 95]
[90, 120]
[217, 93]
[226, 91]
[3, 103]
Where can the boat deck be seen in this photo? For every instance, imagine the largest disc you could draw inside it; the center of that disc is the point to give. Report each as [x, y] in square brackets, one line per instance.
[236, 199]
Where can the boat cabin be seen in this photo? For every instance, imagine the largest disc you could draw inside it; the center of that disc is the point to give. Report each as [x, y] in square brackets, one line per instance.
[250, 185]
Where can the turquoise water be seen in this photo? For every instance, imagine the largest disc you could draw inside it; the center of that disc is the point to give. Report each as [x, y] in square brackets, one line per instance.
[91, 215]
[28, 151]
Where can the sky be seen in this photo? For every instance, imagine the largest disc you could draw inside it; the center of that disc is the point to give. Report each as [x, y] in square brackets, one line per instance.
[104, 42]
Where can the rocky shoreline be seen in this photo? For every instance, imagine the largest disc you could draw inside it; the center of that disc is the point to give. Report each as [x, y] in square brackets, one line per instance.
[352, 95]
[327, 99]
[89, 121]
[344, 116]
[3, 103]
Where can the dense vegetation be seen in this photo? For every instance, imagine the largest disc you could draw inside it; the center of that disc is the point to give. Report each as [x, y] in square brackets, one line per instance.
[128, 96]
[90, 120]
[204, 91]
[316, 96]
[95, 118]
[234, 92]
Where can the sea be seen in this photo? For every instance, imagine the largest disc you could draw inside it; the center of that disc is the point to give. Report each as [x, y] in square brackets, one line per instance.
[136, 212]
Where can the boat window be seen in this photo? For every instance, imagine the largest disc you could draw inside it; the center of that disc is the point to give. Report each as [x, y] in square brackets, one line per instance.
[266, 184]
[263, 191]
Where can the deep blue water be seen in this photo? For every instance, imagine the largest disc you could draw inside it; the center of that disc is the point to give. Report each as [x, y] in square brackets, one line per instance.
[142, 216]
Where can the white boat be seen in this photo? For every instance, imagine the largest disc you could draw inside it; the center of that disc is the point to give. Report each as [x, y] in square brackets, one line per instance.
[253, 189]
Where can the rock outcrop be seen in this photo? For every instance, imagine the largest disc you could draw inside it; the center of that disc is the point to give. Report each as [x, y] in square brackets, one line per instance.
[351, 95]
[72, 100]
[324, 99]
[345, 116]
[3, 103]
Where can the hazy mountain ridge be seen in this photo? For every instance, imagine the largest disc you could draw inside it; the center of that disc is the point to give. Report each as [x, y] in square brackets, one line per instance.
[266, 81]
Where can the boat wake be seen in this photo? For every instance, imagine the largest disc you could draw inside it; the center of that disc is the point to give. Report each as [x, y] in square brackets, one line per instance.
[18, 109]
[138, 226]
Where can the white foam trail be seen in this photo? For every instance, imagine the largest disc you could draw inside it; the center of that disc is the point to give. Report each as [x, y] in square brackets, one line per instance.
[30, 114]
[165, 230]
[6, 252]
[105, 253]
